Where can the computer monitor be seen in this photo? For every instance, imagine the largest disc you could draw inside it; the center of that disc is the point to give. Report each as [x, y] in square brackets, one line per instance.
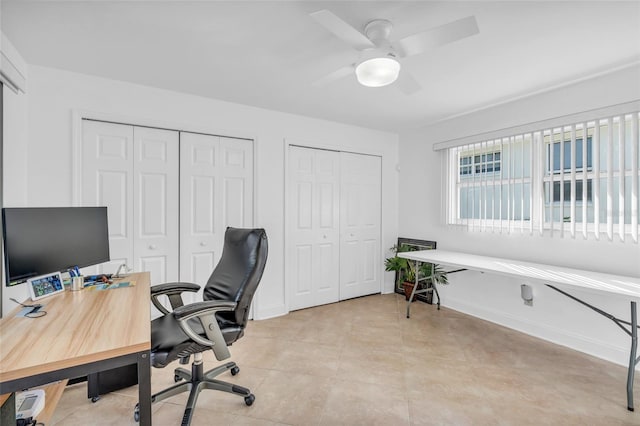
[41, 240]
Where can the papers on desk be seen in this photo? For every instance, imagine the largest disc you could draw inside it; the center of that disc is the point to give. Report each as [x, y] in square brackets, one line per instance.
[111, 286]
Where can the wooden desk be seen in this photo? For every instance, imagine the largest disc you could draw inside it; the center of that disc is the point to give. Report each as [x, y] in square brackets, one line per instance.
[624, 287]
[83, 332]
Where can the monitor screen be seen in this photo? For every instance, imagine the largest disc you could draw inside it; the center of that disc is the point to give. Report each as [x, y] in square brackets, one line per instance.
[41, 240]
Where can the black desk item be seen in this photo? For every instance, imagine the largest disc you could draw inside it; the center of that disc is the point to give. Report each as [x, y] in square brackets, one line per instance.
[42, 240]
[103, 382]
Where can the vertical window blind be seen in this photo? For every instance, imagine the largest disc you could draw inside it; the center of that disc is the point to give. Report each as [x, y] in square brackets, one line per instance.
[493, 183]
[577, 179]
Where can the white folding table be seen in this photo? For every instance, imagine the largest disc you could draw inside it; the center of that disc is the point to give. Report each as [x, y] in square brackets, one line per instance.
[621, 286]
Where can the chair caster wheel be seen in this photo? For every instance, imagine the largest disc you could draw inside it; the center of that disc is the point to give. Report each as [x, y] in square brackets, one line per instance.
[136, 413]
[234, 371]
[95, 399]
[177, 378]
[249, 399]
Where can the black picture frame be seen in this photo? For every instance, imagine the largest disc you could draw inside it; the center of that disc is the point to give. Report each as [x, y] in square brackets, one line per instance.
[416, 245]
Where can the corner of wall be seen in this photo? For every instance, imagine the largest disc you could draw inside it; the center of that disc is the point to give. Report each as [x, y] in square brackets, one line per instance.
[13, 67]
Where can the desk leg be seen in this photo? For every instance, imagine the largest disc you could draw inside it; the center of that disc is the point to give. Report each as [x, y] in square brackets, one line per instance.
[144, 388]
[632, 332]
[413, 292]
[436, 294]
[632, 359]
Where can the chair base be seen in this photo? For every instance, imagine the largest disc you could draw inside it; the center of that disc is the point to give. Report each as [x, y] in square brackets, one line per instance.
[196, 381]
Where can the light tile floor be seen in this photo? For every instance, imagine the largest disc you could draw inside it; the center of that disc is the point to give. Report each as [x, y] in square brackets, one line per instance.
[361, 362]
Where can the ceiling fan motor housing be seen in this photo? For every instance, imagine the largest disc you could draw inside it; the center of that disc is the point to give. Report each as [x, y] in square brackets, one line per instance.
[378, 31]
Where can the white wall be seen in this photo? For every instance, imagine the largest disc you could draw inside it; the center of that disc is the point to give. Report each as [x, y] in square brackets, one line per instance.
[553, 317]
[54, 95]
[15, 140]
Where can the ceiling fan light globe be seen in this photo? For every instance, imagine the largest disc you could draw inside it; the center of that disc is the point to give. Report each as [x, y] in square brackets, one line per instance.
[377, 72]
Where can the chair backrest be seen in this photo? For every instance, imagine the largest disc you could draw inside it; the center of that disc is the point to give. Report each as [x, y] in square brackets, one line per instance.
[237, 275]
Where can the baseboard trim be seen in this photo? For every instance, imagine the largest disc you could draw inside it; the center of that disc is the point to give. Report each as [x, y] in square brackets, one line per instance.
[585, 344]
[271, 312]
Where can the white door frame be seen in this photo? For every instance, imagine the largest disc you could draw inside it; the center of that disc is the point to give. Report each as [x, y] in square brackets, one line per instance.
[287, 143]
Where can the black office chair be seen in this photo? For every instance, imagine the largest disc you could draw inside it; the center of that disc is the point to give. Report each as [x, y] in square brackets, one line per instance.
[213, 324]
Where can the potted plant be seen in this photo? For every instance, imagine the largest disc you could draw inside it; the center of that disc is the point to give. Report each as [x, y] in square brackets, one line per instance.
[406, 271]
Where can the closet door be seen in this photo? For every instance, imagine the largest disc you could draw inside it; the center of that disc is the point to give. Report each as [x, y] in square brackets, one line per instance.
[236, 169]
[134, 172]
[216, 191]
[360, 213]
[156, 206]
[107, 180]
[313, 227]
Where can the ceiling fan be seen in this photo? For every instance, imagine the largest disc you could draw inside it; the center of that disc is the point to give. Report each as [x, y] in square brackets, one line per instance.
[379, 64]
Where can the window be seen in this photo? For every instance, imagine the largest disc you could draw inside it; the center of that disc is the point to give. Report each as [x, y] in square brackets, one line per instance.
[580, 178]
[492, 176]
[476, 164]
[580, 158]
[567, 190]
[563, 185]
[567, 155]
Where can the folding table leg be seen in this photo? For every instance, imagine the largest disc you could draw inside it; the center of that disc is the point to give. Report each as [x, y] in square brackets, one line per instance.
[632, 356]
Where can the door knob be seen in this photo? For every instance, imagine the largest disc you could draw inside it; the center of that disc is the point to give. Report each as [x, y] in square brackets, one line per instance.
[203, 244]
[152, 246]
[324, 236]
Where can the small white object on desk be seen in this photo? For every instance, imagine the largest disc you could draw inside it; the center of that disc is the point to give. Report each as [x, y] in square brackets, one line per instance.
[45, 285]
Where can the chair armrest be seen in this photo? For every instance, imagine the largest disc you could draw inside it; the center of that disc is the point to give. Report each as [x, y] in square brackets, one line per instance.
[173, 291]
[206, 313]
[177, 286]
[184, 313]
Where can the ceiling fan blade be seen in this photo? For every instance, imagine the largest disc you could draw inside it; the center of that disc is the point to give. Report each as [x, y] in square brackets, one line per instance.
[336, 75]
[342, 30]
[407, 83]
[436, 37]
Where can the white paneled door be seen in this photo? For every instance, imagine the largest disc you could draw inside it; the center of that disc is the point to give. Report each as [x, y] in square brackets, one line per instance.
[134, 172]
[360, 212]
[155, 195]
[216, 187]
[107, 180]
[333, 226]
[313, 227]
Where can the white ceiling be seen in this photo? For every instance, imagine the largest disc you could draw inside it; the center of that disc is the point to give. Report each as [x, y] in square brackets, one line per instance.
[267, 54]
